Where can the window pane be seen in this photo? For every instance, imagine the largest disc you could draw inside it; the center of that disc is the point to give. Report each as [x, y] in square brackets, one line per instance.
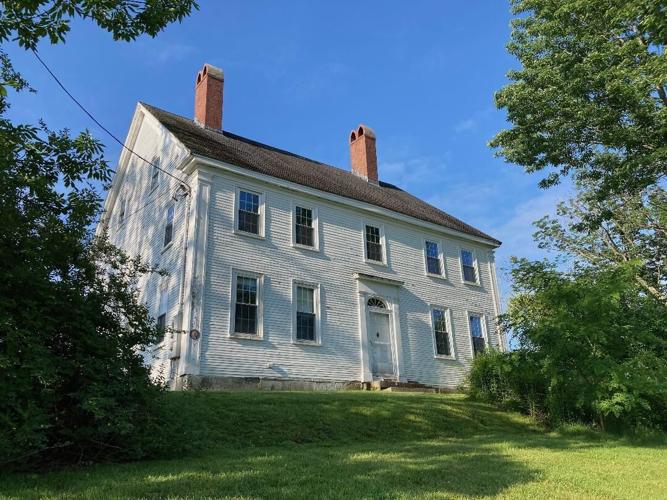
[162, 321]
[478, 345]
[246, 290]
[373, 244]
[441, 334]
[305, 326]
[476, 326]
[249, 202]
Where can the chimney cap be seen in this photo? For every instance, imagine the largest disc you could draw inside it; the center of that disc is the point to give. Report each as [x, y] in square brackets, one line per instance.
[212, 71]
[360, 131]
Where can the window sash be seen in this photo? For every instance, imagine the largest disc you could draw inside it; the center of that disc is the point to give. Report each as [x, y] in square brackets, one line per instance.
[304, 227]
[306, 314]
[169, 227]
[433, 264]
[373, 244]
[155, 176]
[246, 305]
[468, 266]
[305, 326]
[477, 334]
[442, 339]
[248, 214]
[162, 322]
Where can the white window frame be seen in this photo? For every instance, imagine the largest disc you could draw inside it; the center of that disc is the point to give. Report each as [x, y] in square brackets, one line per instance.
[260, 305]
[485, 336]
[122, 209]
[316, 226]
[475, 264]
[262, 212]
[450, 330]
[155, 177]
[173, 226]
[316, 305]
[383, 242]
[441, 256]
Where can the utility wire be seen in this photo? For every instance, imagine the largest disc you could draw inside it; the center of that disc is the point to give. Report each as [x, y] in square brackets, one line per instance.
[60, 84]
[145, 205]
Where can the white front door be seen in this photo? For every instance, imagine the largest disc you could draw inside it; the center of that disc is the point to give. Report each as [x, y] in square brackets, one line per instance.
[380, 339]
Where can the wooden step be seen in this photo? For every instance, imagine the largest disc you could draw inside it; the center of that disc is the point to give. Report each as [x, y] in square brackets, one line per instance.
[409, 389]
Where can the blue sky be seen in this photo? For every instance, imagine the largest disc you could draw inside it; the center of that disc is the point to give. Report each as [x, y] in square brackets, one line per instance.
[300, 75]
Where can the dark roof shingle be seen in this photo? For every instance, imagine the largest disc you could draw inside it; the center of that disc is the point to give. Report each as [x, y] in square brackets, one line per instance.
[230, 148]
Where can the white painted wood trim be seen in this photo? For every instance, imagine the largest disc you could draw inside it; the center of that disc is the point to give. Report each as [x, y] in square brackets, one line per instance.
[450, 330]
[316, 224]
[262, 211]
[317, 309]
[441, 256]
[383, 242]
[235, 273]
[482, 320]
[198, 160]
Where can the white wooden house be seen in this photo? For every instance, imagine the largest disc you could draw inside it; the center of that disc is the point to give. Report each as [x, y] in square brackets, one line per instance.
[287, 272]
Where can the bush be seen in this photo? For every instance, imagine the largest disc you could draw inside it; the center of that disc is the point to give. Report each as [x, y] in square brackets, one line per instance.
[593, 349]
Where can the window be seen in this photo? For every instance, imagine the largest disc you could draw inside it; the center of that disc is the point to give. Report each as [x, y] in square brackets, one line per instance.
[468, 266]
[169, 226]
[249, 212]
[155, 176]
[306, 298]
[163, 306]
[442, 337]
[121, 210]
[373, 240]
[433, 260]
[476, 333]
[376, 302]
[304, 227]
[246, 317]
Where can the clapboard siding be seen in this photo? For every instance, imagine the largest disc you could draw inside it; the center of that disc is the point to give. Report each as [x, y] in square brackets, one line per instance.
[333, 267]
[143, 230]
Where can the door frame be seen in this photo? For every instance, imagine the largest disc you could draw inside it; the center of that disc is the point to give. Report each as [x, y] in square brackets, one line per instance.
[384, 312]
[388, 290]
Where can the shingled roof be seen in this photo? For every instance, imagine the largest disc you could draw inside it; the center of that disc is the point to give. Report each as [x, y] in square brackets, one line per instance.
[233, 149]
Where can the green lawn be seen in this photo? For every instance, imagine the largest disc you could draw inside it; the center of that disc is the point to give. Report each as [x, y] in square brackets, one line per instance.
[365, 445]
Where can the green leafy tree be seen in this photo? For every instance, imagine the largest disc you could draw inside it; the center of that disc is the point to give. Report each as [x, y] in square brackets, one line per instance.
[590, 96]
[73, 333]
[592, 348]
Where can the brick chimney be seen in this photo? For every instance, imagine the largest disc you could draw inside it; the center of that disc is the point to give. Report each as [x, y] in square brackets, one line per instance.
[208, 97]
[362, 153]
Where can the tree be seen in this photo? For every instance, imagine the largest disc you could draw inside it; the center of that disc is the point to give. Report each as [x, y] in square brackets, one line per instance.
[28, 21]
[632, 230]
[73, 333]
[590, 97]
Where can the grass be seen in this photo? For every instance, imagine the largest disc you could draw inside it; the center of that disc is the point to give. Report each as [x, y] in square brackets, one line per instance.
[364, 445]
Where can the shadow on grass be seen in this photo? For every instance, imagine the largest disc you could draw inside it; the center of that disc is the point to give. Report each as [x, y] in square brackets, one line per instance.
[298, 471]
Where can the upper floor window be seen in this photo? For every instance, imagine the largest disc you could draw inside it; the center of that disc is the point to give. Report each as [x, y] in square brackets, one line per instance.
[305, 227]
[476, 332]
[246, 304]
[250, 212]
[122, 208]
[434, 264]
[469, 266]
[441, 333]
[155, 176]
[169, 226]
[373, 237]
[306, 299]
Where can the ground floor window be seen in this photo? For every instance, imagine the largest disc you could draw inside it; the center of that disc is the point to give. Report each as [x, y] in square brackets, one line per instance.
[441, 333]
[246, 304]
[306, 310]
[477, 333]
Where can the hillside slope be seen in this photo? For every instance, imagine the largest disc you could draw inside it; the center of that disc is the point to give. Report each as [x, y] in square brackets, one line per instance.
[363, 445]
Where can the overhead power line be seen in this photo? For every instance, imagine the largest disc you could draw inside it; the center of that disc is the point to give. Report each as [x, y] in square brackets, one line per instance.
[122, 144]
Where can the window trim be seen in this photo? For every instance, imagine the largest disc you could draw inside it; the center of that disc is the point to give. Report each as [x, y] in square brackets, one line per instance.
[170, 206]
[450, 330]
[163, 306]
[155, 177]
[316, 225]
[383, 242]
[482, 320]
[475, 265]
[316, 306]
[122, 209]
[236, 273]
[262, 212]
[441, 256]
